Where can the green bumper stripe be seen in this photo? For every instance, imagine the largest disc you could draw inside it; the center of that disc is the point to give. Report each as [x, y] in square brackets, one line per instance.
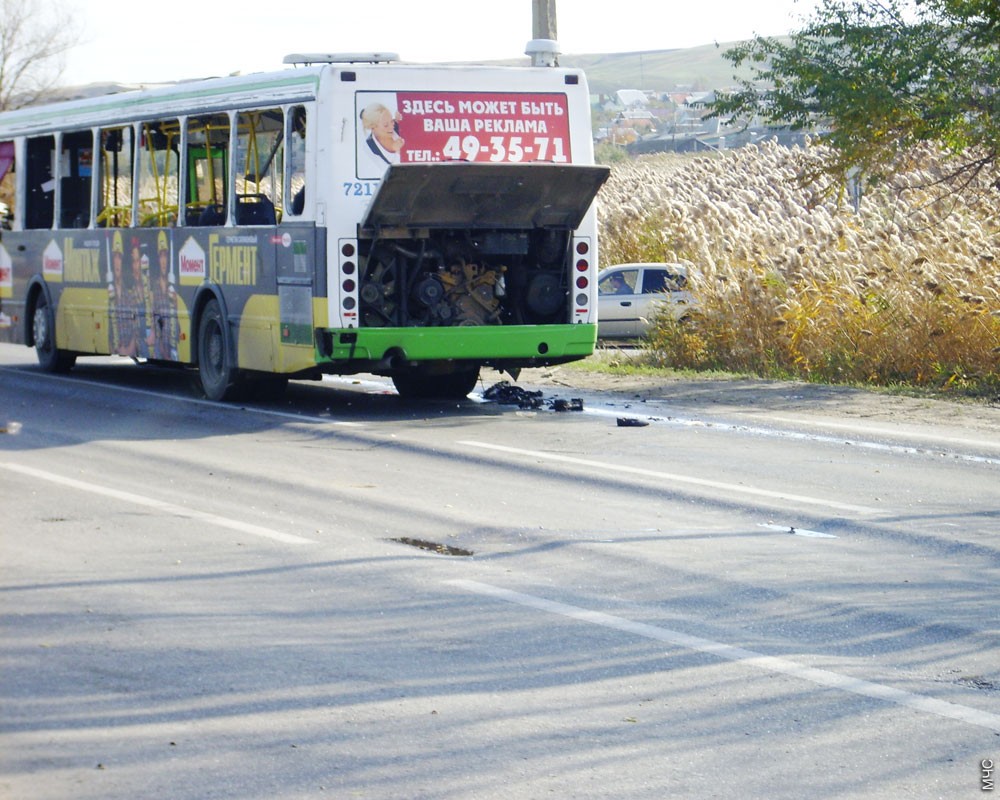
[464, 342]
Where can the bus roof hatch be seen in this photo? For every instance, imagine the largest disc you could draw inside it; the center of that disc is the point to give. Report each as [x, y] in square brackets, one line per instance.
[470, 195]
[339, 58]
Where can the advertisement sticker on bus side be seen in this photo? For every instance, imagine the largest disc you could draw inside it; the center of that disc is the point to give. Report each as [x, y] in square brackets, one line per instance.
[130, 292]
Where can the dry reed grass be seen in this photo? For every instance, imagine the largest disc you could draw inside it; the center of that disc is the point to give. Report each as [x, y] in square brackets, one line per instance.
[790, 280]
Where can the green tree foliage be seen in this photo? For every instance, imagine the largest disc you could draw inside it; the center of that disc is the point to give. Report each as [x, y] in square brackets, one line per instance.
[882, 77]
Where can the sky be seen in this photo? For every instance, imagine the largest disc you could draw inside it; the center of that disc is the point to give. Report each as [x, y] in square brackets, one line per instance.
[185, 39]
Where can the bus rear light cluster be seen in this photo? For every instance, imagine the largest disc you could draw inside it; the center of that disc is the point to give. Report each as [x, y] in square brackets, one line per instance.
[348, 268]
[583, 300]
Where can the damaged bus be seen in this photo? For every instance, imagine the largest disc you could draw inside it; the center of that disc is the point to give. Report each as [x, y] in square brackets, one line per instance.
[346, 214]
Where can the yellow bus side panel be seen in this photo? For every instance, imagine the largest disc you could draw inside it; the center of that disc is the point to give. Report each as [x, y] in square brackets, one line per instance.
[260, 344]
[321, 311]
[82, 320]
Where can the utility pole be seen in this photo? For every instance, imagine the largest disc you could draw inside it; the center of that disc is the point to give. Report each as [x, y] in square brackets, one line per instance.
[543, 47]
[543, 19]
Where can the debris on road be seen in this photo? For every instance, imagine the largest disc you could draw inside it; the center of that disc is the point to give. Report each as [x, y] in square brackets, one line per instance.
[433, 547]
[506, 394]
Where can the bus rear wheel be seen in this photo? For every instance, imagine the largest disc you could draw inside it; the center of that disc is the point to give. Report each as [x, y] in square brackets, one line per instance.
[216, 368]
[425, 385]
[43, 331]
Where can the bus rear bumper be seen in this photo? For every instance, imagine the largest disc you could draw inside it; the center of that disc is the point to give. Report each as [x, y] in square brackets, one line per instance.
[506, 346]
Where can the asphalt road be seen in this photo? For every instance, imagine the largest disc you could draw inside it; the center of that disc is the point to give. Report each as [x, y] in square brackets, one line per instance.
[343, 594]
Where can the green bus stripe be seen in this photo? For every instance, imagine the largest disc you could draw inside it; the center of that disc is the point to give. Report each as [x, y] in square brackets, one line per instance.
[464, 342]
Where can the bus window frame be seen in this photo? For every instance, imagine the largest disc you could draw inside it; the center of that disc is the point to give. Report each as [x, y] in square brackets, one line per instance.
[266, 188]
[288, 195]
[100, 218]
[29, 173]
[10, 176]
[62, 176]
[171, 152]
[193, 208]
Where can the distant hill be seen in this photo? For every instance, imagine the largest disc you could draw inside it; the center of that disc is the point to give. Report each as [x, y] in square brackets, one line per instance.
[698, 68]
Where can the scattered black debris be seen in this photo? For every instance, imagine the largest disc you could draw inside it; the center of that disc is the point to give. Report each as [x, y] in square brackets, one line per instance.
[434, 547]
[574, 404]
[632, 422]
[506, 394]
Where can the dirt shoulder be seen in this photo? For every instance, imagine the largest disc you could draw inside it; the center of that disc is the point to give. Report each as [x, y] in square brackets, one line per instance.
[747, 397]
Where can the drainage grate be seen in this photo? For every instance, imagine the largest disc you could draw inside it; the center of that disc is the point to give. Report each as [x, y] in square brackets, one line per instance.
[434, 547]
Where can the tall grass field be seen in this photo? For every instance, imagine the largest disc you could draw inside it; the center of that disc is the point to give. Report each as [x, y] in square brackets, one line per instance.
[797, 276]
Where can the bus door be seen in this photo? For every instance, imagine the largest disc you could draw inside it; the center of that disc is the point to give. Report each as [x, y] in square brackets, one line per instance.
[301, 278]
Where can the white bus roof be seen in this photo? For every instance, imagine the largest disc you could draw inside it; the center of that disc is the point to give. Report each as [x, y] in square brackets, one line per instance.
[256, 90]
[188, 97]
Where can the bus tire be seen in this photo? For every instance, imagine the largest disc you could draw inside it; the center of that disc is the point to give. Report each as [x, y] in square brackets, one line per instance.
[216, 359]
[423, 385]
[43, 332]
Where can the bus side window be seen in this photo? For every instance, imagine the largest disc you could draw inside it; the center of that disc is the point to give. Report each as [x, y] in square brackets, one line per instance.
[259, 137]
[296, 156]
[115, 175]
[76, 168]
[7, 189]
[158, 174]
[207, 164]
[41, 182]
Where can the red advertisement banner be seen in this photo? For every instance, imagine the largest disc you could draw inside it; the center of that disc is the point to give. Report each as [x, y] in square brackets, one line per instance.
[421, 127]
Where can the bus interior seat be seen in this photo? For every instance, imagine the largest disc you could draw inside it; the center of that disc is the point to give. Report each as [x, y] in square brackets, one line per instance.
[211, 215]
[255, 209]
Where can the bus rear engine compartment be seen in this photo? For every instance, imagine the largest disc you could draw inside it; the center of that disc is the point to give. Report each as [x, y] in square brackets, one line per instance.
[464, 278]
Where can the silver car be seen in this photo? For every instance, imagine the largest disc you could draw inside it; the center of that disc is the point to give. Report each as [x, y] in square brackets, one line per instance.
[630, 295]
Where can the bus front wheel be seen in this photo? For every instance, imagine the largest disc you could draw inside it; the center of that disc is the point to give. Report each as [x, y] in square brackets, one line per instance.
[216, 360]
[43, 331]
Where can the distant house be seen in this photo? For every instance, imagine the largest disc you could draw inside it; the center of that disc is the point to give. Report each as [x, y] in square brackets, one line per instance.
[631, 98]
[700, 99]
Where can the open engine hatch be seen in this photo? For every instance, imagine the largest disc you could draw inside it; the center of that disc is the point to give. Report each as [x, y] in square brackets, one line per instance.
[474, 195]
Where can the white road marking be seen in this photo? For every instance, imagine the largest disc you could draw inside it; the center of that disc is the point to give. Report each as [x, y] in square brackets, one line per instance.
[674, 478]
[771, 664]
[873, 430]
[797, 531]
[159, 505]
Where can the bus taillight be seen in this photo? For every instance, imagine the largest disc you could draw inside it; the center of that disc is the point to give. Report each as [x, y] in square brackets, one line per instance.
[583, 300]
[347, 264]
